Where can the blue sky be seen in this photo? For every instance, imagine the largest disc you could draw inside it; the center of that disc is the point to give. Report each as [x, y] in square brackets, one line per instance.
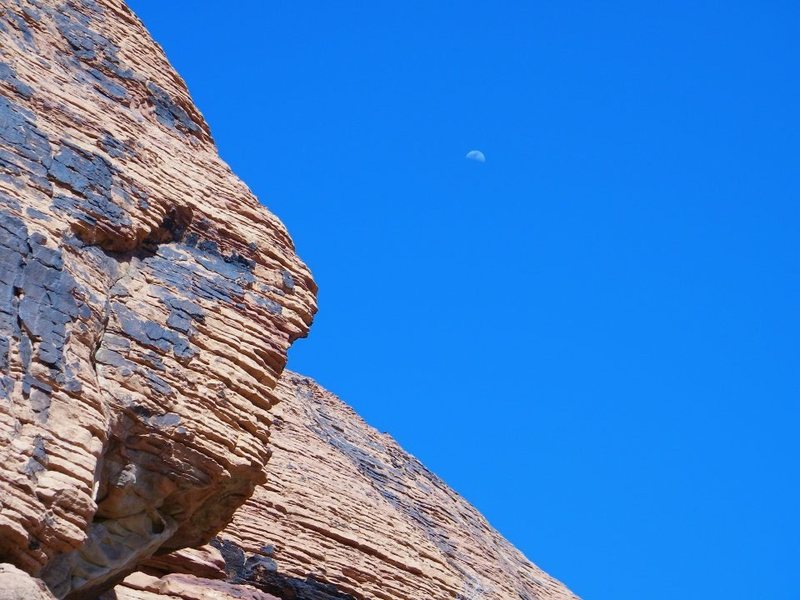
[594, 335]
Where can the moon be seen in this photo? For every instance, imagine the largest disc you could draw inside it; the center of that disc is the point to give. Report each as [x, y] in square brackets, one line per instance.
[476, 155]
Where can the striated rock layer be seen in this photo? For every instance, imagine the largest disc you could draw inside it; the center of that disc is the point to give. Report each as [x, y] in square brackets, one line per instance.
[147, 302]
[347, 514]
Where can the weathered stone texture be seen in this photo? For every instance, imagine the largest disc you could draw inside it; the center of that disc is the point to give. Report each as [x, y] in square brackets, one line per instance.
[147, 301]
[140, 586]
[16, 584]
[346, 514]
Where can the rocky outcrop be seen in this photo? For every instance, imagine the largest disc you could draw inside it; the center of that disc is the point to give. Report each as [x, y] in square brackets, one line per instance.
[141, 586]
[16, 584]
[347, 514]
[147, 303]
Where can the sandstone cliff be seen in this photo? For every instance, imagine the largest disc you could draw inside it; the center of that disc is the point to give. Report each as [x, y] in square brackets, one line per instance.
[147, 302]
[345, 514]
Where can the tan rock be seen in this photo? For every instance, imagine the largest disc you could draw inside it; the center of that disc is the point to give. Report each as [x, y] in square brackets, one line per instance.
[206, 562]
[347, 514]
[138, 586]
[147, 301]
[18, 585]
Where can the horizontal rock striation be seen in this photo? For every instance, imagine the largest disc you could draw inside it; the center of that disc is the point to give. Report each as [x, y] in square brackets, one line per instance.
[346, 514]
[147, 302]
[16, 584]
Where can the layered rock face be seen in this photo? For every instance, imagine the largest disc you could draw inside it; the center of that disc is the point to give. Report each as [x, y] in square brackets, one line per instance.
[147, 302]
[347, 514]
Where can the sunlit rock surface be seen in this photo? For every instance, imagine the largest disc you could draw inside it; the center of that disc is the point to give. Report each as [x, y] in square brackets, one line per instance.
[147, 303]
[346, 513]
[16, 584]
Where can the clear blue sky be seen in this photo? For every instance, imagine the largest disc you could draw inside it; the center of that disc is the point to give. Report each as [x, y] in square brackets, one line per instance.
[595, 335]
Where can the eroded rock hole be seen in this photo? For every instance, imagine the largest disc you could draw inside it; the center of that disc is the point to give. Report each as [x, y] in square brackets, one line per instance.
[172, 227]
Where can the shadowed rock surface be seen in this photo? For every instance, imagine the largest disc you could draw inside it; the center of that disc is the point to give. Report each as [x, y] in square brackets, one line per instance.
[147, 303]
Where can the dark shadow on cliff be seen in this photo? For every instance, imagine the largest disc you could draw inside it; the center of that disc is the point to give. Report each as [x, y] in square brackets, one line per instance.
[261, 571]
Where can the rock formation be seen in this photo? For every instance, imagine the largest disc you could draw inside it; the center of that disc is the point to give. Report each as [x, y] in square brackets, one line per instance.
[147, 302]
[16, 584]
[345, 514]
